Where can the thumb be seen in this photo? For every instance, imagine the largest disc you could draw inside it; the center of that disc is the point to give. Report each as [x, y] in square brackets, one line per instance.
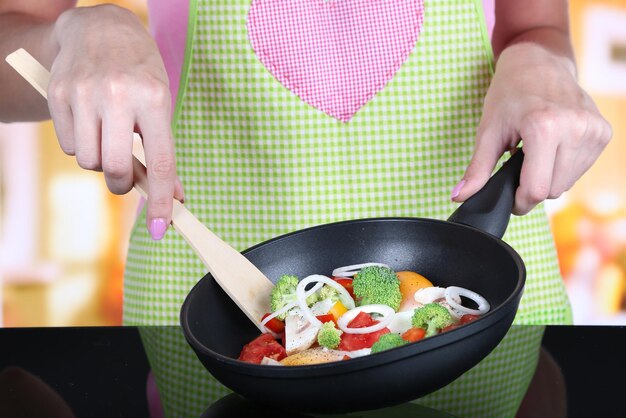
[487, 152]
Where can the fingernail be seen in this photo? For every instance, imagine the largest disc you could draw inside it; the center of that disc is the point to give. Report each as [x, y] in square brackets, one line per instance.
[157, 228]
[457, 189]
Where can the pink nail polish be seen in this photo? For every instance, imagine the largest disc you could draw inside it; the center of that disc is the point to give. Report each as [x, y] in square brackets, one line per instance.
[157, 228]
[457, 189]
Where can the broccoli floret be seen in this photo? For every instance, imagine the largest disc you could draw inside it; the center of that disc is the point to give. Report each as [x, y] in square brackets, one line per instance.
[328, 336]
[432, 317]
[313, 298]
[284, 292]
[377, 285]
[387, 342]
[328, 292]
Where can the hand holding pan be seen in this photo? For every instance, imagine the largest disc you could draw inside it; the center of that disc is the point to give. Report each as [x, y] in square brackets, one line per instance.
[241, 280]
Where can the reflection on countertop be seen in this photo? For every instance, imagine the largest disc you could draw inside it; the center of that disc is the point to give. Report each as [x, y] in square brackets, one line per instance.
[103, 371]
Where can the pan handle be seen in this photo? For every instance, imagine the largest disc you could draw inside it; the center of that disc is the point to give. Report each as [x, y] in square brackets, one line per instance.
[490, 208]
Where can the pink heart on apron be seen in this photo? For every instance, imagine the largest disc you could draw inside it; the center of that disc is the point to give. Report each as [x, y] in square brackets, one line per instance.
[334, 54]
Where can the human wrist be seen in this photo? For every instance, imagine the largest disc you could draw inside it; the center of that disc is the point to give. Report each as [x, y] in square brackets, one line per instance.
[80, 22]
[526, 53]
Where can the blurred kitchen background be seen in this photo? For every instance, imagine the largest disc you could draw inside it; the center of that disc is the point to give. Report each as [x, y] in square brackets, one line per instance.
[63, 236]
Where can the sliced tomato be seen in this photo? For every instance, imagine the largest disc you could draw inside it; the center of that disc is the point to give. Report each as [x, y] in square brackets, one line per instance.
[262, 346]
[467, 318]
[351, 342]
[275, 325]
[326, 318]
[362, 320]
[346, 283]
[414, 334]
[450, 327]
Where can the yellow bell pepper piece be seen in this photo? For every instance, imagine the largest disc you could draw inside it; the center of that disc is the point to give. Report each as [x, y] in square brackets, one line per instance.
[337, 310]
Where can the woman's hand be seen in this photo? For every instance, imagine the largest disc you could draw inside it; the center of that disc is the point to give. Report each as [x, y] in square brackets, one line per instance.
[107, 81]
[534, 97]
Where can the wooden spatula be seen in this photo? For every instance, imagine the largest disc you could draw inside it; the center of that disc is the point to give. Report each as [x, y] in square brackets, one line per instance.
[242, 281]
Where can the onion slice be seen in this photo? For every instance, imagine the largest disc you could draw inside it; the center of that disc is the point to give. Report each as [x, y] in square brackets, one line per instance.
[273, 315]
[401, 321]
[286, 308]
[301, 296]
[386, 311]
[344, 295]
[349, 271]
[357, 353]
[455, 292]
[270, 362]
[429, 294]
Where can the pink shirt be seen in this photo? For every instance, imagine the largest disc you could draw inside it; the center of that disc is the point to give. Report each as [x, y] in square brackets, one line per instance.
[168, 24]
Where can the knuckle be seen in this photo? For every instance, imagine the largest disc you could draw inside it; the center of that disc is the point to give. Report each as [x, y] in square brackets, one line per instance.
[82, 89]
[65, 140]
[68, 149]
[477, 166]
[538, 193]
[156, 91]
[88, 159]
[162, 167]
[543, 122]
[606, 133]
[578, 122]
[523, 209]
[159, 206]
[58, 92]
[116, 169]
[89, 163]
[117, 86]
[117, 187]
[160, 202]
[522, 205]
[555, 193]
[561, 186]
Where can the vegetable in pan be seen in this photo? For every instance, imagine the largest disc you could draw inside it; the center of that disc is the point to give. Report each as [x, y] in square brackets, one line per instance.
[432, 317]
[377, 285]
[329, 336]
[284, 293]
[387, 342]
[363, 309]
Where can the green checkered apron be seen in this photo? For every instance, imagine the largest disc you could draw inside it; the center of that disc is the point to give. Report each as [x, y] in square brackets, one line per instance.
[257, 162]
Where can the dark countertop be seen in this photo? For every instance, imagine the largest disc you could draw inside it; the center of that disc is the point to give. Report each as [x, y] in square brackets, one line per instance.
[102, 372]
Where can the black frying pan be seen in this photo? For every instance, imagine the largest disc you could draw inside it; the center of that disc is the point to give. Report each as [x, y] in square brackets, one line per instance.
[464, 251]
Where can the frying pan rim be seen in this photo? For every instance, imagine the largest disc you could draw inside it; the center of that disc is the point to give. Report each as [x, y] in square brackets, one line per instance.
[384, 219]
[357, 363]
